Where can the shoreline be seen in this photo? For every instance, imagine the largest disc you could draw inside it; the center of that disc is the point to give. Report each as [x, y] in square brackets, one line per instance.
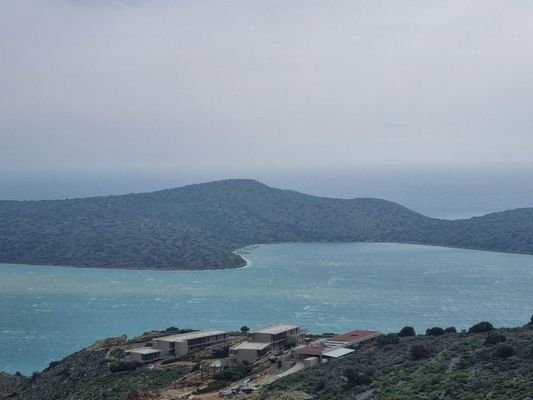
[461, 330]
[247, 263]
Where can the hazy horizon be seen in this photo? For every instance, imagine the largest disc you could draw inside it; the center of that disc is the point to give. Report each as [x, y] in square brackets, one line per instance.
[445, 193]
[114, 87]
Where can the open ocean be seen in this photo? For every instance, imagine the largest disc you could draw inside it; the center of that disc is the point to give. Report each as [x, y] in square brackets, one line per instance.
[47, 313]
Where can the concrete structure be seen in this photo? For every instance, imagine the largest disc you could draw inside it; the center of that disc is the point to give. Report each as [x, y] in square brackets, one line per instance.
[185, 343]
[263, 340]
[311, 362]
[312, 350]
[278, 335]
[351, 338]
[320, 351]
[144, 354]
[249, 352]
[337, 353]
[333, 347]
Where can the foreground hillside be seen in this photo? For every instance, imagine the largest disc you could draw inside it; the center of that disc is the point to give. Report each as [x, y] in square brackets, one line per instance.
[86, 375]
[496, 364]
[199, 226]
[447, 367]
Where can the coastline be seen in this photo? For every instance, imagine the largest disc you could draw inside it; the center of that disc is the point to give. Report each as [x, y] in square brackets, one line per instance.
[241, 252]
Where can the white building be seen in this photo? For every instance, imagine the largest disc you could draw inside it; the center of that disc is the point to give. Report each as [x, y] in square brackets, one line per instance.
[249, 352]
[278, 335]
[144, 354]
[185, 343]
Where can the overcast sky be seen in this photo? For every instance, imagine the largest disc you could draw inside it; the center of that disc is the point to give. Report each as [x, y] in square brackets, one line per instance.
[96, 85]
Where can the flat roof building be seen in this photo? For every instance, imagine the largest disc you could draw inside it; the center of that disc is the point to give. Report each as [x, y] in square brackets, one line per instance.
[351, 338]
[144, 354]
[249, 352]
[278, 335]
[185, 343]
[311, 350]
[337, 353]
[335, 346]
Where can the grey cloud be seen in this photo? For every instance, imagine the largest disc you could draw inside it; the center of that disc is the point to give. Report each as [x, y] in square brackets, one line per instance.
[165, 85]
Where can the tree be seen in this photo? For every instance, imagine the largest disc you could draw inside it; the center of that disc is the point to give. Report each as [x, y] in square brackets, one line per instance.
[495, 338]
[435, 331]
[505, 351]
[419, 351]
[355, 379]
[390, 338]
[481, 327]
[172, 329]
[124, 366]
[321, 384]
[407, 331]
[245, 329]
[450, 329]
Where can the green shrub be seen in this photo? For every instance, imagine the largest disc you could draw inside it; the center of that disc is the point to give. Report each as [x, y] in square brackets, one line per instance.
[435, 331]
[505, 351]
[53, 364]
[117, 353]
[233, 374]
[407, 331]
[172, 329]
[320, 384]
[494, 338]
[384, 340]
[481, 327]
[355, 379]
[450, 329]
[529, 352]
[124, 366]
[420, 351]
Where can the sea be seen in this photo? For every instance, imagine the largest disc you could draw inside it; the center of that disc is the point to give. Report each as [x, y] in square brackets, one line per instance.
[49, 312]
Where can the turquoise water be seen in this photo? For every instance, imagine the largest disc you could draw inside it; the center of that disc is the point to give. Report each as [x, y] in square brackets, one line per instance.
[49, 312]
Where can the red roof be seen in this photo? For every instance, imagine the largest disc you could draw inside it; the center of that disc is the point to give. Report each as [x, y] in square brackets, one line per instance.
[354, 336]
[312, 349]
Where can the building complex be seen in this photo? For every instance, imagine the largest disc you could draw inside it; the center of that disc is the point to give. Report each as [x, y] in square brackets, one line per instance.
[185, 343]
[259, 343]
[176, 345]
[263, 340]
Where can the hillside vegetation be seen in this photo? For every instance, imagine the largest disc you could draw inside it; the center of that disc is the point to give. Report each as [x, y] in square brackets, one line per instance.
[86, 375]
[495, 365]
[484, 363]
[199, 226]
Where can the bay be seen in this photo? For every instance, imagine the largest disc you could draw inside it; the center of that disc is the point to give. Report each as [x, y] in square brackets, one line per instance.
[47, 312]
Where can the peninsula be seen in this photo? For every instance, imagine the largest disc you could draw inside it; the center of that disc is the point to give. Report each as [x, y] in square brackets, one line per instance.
[201, 226]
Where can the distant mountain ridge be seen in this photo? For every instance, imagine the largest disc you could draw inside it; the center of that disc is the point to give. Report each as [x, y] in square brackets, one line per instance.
[200, 226]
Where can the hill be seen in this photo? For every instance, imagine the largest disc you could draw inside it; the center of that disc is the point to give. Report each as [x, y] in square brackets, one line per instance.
[200, 226]
[451, 366]
[86, 375]
[496, 364]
